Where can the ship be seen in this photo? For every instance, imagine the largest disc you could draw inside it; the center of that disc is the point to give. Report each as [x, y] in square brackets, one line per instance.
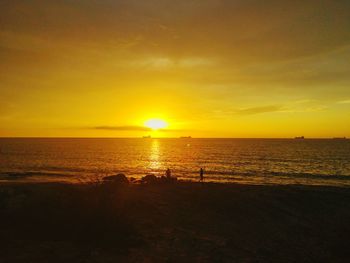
[299, 138]
[147, 137]
[339, 138]
[185, 137]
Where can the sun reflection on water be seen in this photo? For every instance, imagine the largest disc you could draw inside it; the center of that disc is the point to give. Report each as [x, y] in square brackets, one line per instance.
[154, 155]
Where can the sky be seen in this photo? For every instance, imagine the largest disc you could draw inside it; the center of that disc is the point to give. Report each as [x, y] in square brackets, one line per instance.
[209, 68]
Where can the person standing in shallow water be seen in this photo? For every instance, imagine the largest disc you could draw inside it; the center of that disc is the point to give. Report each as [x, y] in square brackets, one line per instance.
[201, 175]
[168, 173]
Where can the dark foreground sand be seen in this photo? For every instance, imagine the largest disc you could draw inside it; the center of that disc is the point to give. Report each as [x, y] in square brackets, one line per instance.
[183, 222]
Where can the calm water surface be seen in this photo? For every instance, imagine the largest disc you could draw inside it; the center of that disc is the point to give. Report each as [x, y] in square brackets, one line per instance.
[258, 161]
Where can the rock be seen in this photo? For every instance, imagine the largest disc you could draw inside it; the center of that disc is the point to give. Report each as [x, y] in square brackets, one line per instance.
[116, 179]
[132, 179]
[172, 179]
[167, 180]
[149, 178]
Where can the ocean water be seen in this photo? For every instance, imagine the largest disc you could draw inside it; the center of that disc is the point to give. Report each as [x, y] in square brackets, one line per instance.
[253, 161]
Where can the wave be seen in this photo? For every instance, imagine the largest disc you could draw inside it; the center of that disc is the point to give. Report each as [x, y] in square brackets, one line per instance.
[211, 174]
[15, 175]
[276, 174]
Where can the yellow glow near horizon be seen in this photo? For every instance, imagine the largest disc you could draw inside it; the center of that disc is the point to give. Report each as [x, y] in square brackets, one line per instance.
[156, 124]
[209, 79]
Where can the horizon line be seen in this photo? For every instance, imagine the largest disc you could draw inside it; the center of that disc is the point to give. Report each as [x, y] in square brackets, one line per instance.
[83, 137]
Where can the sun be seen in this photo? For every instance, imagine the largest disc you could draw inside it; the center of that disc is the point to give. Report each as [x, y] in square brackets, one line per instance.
[156, 124]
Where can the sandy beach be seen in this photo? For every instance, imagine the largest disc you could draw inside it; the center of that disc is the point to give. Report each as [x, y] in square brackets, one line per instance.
[180, 222]
[164, 131]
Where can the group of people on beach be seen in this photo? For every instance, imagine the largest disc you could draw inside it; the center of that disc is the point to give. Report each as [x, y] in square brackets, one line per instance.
[201, 174]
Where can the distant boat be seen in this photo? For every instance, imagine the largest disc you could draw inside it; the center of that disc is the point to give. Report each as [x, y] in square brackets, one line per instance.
[339, 138]
[185, 137]
[299, 138]
[147, 137]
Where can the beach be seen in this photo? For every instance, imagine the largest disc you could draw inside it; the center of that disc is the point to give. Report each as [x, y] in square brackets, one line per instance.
[167, 131]
[173, 222]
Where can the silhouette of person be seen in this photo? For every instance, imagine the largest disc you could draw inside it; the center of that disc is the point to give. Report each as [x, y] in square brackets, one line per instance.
[168, 173]
[201, 175]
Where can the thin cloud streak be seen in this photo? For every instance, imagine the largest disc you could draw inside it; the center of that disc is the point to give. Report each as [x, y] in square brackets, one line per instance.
[123, 128]
[344, 102]
[133, 128]
[259, 110]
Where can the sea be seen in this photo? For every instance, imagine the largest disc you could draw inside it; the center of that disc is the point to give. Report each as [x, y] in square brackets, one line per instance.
[247, 161]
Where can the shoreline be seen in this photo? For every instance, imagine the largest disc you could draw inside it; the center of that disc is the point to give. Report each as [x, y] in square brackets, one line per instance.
[330, 180]
[179, 184]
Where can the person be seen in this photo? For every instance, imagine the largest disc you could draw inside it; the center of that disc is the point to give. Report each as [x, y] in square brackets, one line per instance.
[168, 173]
[201, 175]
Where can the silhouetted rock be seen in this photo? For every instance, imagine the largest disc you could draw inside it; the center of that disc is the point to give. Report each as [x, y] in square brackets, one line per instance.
[149, 178]
[172, 179]
[117, 179]
[132, 179]
[167, 180]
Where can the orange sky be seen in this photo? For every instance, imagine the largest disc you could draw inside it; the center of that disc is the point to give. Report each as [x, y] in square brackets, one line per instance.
[209, 68]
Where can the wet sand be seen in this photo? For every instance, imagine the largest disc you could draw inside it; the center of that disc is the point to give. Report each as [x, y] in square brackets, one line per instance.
[182, 222]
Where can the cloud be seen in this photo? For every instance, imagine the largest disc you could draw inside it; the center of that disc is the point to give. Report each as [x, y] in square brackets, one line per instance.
[184, 58]
[133, 128]
[239, 30]
[123, 128]
[259, 110]
[287, 108]
[344, 102]
[167, 63]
